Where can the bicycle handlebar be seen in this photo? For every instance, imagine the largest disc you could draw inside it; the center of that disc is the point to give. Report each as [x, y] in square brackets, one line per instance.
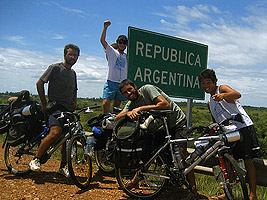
[88, 109]
[214, 126]
[156, 113]
[76, 113]
[93, 107]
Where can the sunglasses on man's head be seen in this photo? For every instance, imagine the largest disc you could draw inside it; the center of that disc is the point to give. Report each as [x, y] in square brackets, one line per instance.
[122, 42]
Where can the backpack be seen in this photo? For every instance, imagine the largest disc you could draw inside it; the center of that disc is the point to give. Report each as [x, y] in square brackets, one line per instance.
[25, 119]
[131, 146]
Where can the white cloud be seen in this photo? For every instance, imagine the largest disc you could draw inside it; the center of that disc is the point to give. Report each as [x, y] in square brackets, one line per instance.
[16, 38]
[48, 34]
[184, 15]
[237, 46]
[21, 69]
[66, 9]
[243, 43]
[57, 37]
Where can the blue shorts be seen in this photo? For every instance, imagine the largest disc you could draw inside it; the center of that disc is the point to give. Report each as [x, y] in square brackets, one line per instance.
[111, 91]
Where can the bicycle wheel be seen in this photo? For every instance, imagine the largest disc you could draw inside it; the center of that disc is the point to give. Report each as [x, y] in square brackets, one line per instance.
[234, 184]
[17, 158]
[4, 127]
[103, 164]
[151, 181]
[79, 164]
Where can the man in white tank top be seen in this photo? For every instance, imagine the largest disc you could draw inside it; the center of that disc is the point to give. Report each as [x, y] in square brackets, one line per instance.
[222, 103]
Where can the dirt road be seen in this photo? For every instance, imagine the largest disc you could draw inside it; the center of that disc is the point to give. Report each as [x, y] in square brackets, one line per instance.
[48, 185]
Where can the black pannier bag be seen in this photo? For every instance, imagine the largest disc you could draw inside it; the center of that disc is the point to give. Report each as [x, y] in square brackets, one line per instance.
[25, 119]
[102, 138]
[132, 146]
[102, 127]
[4, 120]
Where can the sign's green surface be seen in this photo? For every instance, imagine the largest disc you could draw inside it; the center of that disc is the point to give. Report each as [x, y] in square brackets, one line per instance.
[171, 63]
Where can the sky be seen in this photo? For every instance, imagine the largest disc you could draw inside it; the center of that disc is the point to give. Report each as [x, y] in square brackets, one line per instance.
[33, 34]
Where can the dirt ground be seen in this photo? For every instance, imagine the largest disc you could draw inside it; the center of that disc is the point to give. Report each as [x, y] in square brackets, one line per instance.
[49, 185]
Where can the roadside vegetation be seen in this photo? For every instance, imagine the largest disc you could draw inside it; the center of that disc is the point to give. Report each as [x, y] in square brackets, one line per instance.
[200, 116]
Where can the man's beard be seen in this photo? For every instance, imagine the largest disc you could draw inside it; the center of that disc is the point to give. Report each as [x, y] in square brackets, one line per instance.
[70, 61]
[136, 94]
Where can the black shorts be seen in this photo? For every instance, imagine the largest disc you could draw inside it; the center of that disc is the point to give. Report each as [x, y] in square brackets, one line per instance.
[53, 121]
[179, 131]
[243, 148]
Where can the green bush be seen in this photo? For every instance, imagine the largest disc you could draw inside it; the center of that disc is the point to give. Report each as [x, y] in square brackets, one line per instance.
[200, 115]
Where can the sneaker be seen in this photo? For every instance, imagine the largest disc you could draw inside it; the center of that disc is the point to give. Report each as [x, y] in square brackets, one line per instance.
[64, 171]
[35, 165]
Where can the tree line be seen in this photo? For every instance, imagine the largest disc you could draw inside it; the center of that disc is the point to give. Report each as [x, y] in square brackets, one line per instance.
[200, 114]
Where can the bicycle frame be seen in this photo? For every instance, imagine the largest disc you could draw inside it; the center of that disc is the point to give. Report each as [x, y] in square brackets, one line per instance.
[149, 178]
[73, 129]
[170, 143]
[31, 143]
[75, 125]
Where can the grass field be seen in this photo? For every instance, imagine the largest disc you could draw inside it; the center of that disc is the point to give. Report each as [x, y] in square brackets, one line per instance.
[206, 184]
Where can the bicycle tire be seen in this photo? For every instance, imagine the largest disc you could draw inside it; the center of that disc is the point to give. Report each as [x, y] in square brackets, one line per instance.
[151, 181]
[79, 164]
[17, 158]
[235, 186]
[4, 127]
[103, 164]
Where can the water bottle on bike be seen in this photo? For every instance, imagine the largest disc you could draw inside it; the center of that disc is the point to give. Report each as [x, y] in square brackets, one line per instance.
[90, 140]
[201, 146]
[178, 157]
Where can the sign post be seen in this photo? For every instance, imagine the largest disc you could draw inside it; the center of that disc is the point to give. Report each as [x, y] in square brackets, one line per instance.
[173, 64]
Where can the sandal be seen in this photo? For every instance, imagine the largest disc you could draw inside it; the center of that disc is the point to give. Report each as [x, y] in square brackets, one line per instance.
[132, 184]
[219, 197]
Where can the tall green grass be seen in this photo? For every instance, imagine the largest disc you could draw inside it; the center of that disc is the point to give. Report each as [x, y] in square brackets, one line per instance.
[208, 185]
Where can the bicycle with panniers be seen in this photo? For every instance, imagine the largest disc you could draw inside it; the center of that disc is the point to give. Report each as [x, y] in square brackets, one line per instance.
[102, 127]
[149, 164]
[19, 152]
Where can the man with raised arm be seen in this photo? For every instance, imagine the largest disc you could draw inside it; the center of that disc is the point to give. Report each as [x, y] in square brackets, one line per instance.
[117, 69]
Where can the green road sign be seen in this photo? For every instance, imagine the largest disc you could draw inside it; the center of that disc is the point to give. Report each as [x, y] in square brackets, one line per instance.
[173, 64]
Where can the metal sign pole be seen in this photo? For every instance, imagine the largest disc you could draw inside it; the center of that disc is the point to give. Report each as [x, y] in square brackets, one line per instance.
[189, 112]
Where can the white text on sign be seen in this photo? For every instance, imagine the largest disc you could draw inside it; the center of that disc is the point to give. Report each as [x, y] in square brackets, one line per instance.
[147, 75]
[167, 54]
